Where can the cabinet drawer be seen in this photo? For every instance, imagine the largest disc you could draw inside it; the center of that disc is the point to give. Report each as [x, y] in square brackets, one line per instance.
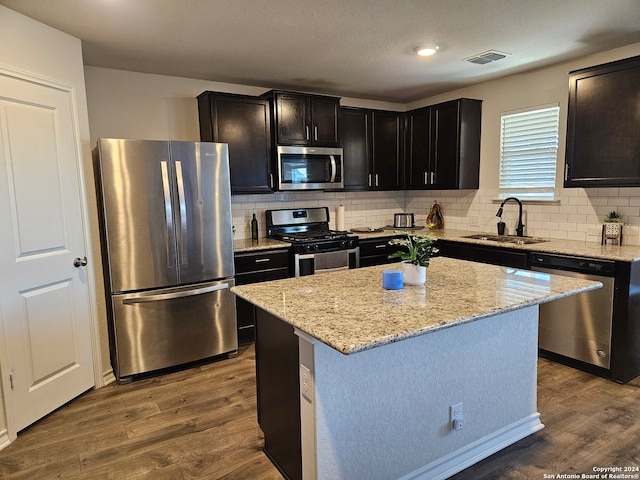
[253, 262]
[376, 247]
[262, 276]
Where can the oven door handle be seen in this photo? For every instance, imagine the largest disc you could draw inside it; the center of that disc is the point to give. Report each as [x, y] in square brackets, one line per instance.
[334, 169]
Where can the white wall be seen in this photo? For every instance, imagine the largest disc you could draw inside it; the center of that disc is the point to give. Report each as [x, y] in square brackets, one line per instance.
[126, 104]
[31, 47]
[579, 210]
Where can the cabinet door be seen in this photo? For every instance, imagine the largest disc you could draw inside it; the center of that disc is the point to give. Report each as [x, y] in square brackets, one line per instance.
[455, 144]
[292, 122]
[356, 145]
[603, 127]
[233, 119]
[387, 150]
[418, 148]
[444, 146]
[325, 113]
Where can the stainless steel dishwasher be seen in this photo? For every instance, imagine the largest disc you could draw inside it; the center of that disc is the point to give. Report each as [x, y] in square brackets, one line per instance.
[579, 326]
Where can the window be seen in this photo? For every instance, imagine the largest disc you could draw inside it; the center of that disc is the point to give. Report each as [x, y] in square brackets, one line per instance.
[528, 153]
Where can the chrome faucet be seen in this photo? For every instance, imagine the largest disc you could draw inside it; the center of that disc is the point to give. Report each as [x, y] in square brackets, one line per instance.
[519, 225]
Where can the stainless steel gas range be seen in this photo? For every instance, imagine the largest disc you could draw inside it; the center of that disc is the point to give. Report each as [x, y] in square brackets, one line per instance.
[315, 247]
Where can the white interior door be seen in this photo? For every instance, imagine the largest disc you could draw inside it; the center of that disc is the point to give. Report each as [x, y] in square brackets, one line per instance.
[44, 298]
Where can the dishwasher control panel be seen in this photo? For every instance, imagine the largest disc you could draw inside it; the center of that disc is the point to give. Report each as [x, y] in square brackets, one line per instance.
[575, 264]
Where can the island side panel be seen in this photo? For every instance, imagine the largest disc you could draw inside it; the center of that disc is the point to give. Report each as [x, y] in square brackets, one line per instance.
[384, 413]
[278, 390]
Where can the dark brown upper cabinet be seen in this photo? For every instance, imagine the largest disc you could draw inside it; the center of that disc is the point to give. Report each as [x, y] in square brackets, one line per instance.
[372, 148]
[603, 126]
[387, 155]
[443, 146]
[356, 147]
[302, 119]
[243, 122]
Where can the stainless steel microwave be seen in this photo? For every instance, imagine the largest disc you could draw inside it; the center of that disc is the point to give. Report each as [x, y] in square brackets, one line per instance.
[310, 168]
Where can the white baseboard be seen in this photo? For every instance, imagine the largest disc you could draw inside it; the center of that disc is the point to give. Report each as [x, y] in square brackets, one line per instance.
[474, 452]
[108, 377]
[4, 439]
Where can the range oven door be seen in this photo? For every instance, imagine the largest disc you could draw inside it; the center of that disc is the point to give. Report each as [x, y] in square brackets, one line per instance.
[312, 263]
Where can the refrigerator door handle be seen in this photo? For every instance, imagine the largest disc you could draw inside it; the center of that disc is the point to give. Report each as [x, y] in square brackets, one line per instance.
[184, 260]
[174, 295]
[166, 193]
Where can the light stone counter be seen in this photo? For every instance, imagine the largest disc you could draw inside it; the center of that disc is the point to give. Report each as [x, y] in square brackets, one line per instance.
[622, 253]
[248, 245]
[351, 312]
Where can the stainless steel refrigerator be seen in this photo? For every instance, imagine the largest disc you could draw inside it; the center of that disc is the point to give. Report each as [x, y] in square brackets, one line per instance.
[168, 252]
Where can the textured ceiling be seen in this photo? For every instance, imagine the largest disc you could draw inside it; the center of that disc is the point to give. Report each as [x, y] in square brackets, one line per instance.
[355, 48]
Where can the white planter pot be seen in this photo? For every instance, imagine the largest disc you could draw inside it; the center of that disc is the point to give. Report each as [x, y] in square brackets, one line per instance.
[612, 229]
[413, 274]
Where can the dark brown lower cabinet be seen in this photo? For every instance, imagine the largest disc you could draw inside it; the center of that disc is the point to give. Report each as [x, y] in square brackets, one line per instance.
[278, 390]
[376, 251]
[253, 267]
[482, 254]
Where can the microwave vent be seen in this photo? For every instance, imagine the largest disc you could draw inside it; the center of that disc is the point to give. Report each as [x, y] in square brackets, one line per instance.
[486, 57]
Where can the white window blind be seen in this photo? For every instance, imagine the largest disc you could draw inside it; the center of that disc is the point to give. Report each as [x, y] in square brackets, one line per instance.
[528, 153]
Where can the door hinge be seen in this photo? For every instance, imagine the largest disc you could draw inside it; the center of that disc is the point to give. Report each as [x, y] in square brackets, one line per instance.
[11, 380]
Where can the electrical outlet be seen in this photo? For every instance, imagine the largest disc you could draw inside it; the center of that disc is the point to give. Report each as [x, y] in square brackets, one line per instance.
[306, 382]
[455, 416]
[594, 231]
[475, 221]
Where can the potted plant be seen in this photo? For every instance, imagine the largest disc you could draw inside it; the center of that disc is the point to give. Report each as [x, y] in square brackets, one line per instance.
[613, 217]
[613, 225]
[415, 253]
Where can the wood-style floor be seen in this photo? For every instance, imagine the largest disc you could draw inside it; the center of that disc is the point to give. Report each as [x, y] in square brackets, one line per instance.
[200, 423]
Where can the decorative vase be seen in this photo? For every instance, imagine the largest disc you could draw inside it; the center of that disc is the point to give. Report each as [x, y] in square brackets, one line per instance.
[413, 274]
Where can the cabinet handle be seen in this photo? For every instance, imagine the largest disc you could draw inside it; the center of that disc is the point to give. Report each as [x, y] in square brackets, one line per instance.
[426, 178]
[376, 179]
[271, 180]
[306, 130]
[382, 245]
[566, 172]
[262, 260]
[369, 179]
[315, 133]
[433, 174]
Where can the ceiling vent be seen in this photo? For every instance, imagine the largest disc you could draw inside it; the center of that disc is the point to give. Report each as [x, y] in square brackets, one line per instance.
[486, 57]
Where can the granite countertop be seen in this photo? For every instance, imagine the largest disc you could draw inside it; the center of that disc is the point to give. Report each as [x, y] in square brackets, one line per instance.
[351, 312]
[623, 253]
[248, 245]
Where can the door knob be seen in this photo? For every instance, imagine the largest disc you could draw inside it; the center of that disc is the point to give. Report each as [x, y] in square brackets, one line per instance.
[79, 262]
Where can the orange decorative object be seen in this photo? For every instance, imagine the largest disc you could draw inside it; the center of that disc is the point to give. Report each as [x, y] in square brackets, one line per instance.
[435, 220]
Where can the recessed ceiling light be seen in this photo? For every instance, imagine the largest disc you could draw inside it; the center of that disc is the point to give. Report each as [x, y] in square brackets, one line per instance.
[426, 50]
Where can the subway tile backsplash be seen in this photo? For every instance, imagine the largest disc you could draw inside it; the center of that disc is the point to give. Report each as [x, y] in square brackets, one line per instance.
[577, 214]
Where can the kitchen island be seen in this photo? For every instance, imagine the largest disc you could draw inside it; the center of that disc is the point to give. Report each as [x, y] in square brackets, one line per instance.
[355, 381]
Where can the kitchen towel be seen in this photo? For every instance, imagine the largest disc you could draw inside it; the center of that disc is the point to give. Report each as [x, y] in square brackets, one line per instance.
[340, 217]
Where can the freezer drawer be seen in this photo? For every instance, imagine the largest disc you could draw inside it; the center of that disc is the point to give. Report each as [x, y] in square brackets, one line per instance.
[163, 328]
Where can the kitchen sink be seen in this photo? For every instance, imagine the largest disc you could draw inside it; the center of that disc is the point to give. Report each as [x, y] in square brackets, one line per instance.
[505, 238]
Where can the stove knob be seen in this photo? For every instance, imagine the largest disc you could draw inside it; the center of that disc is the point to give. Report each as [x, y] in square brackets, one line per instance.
[316, 246]
[343, 243]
